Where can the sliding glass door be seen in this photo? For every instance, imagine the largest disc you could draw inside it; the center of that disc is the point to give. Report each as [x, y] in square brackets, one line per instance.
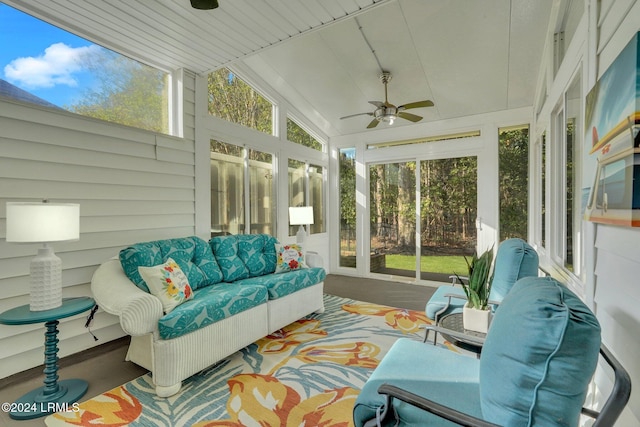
[393, 218]
[423, 217]
[448, 211]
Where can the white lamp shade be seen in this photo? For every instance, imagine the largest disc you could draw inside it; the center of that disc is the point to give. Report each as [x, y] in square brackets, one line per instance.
[301, 215]
[42, 222]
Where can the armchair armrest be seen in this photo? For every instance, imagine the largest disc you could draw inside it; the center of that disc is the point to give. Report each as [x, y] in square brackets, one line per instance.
[138, 310]
[446, 306]
[313, 259]
[392, 392]
[491, 302]
[454, 279]
[455, 296]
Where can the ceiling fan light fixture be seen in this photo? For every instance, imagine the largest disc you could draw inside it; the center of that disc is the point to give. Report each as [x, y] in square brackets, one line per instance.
[388, 118]
[386, 115]
[204, 4]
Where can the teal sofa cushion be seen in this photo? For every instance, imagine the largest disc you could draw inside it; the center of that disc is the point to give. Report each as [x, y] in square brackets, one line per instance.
[210, 305]
[283, 284]
[258, 253]
[192, 254]
[225, 251]
[432, 372]
[539, 356]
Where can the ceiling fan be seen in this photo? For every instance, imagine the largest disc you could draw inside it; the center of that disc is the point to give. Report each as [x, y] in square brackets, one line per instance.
[204, 4]
[387, 112]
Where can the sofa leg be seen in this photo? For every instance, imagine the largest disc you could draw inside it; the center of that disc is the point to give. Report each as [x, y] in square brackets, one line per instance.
[163, 391]
[320, 310]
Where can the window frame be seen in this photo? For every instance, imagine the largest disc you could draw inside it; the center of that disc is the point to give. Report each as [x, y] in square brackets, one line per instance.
[557, 150]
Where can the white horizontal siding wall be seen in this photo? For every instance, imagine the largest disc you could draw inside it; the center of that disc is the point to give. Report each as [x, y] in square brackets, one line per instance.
[131, 185]
[617, 249]
[617, 298]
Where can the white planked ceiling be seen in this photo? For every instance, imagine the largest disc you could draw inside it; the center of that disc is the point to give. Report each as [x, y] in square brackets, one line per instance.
[469, 57]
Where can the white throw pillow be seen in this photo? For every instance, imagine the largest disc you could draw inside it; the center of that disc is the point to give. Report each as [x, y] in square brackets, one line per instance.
[167, 282]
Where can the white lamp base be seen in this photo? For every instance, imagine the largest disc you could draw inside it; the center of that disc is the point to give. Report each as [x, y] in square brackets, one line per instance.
[300, 235]
[46, 280]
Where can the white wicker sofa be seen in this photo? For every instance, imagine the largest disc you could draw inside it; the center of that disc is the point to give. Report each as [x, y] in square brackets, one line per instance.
[228, 311]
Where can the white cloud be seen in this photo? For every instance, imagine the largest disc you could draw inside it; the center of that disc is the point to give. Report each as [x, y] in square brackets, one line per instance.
[56, 66]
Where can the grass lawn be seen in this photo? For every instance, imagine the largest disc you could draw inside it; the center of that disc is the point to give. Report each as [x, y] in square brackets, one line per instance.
[447, 264]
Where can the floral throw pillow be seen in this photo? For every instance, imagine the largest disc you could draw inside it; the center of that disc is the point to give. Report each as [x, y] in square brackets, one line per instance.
[290, 257]
[167, 282]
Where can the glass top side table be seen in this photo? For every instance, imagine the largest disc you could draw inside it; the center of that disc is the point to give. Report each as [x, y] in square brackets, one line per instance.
[54, 395]
[454, 322]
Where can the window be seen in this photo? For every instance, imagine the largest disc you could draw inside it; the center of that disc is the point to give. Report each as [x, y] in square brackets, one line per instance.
[306, 188]
[300, 136]
[232, 99]
[229, 198]
[316, 197]
[261, 195]
[513, 158]
[573, 102]
[347, 208]
[568, 22]
[543, 190]
[227, 188]
[57, 69]
[297, 188]
[565, 188]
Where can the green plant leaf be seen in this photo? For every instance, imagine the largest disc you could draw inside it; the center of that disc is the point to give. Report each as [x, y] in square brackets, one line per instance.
[478, 287]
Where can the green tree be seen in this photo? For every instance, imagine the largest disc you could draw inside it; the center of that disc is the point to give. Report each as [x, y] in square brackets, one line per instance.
[347, 189]
[126, 92]
[448, 202]
[300, 136]
[347, 201]
[513, 155]
[232, 99]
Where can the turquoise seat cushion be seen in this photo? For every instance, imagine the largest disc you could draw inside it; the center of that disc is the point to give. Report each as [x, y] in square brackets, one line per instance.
[515, 259]
[258, 253]
[438, 301]
[283, 284]
[539, 356]
[192, 254]
[432, 372]
[209, 305]
[225, 251]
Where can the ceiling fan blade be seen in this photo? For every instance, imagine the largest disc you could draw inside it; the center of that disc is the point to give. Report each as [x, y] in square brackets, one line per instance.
[373, 124]
[378, 104]
[419, 104]
[409, 116]
[354, 115]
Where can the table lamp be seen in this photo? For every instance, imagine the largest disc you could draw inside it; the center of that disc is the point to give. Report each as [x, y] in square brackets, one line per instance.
[43, 223]
[301, 216]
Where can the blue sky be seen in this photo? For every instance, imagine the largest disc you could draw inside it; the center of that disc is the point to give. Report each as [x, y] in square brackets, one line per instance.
[41, 58]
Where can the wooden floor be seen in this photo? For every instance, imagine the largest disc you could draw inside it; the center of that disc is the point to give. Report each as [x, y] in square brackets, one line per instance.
[104, 366]
[394, 294]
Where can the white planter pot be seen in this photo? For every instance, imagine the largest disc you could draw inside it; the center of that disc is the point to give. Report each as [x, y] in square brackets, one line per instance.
[476, 320]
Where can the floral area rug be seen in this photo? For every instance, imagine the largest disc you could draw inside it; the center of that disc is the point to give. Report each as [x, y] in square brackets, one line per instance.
[307, 374]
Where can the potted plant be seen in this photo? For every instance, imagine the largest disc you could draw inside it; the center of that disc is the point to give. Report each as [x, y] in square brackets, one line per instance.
[476, 312]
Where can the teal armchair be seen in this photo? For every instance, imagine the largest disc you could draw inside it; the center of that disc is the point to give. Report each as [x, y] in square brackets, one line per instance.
[536, 365]
[515, 259]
